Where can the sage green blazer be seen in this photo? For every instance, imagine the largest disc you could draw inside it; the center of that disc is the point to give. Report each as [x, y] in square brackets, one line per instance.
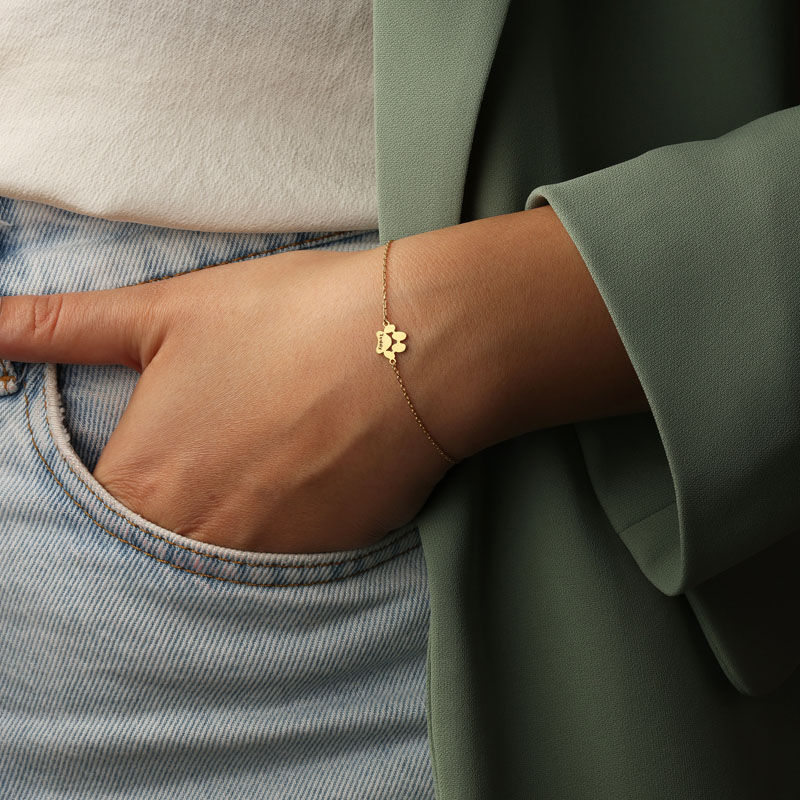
[614, 602]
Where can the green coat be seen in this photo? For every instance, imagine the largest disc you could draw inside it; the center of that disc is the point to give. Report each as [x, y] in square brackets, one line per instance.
[614, 603]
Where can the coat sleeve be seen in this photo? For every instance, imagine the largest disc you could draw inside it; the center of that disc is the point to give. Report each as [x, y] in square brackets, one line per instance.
[695, 249]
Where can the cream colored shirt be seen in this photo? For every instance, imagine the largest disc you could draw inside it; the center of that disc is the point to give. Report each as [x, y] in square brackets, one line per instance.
[212, 115]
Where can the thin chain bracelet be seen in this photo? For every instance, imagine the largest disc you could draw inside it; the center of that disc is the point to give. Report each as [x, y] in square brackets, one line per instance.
[390, 342]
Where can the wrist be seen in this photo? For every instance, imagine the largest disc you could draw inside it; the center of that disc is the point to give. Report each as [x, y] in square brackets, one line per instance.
[454, 366]
[507, 332]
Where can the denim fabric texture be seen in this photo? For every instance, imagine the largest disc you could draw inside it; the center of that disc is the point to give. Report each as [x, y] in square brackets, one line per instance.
[137, 663]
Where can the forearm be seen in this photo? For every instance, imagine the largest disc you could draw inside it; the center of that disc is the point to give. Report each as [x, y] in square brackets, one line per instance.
[507, 332]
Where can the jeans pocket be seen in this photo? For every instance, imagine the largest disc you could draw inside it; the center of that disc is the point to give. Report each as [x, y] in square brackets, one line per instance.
[96, 512]
[136, 659]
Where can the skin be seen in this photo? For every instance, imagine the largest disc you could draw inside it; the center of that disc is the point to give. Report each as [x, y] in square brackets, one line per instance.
[263, 418]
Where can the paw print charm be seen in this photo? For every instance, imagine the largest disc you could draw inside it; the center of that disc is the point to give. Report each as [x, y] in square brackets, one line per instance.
[386, 345]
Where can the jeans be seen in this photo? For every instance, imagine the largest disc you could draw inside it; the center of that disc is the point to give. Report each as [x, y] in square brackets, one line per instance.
[137, 663]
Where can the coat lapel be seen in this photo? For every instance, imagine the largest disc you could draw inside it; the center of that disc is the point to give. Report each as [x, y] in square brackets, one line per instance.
[432, 59]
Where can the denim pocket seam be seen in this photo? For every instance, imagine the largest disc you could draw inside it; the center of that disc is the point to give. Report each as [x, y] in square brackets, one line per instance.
[153, 535]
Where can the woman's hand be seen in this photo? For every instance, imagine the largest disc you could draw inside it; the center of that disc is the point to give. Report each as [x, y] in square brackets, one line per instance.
[263, 419]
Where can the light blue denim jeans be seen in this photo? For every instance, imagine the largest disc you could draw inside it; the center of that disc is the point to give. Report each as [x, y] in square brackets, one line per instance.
[137, 663]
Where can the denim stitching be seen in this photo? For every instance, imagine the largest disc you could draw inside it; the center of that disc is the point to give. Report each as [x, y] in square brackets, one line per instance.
[249, 255]
[196, 552]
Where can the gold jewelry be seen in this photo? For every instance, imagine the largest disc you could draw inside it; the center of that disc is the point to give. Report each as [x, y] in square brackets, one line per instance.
[391, 342]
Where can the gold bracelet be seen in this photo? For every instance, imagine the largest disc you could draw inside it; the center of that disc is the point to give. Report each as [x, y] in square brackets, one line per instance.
[391, 342]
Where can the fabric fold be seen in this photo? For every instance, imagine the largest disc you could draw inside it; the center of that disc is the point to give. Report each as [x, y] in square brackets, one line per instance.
[695, 249]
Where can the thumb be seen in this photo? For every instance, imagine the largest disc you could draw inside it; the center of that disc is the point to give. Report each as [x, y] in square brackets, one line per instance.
[106, 326]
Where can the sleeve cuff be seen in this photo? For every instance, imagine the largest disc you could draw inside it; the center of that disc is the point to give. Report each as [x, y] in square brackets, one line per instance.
[695, 250]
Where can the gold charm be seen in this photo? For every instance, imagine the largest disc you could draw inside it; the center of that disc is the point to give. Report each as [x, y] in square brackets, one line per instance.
[385, 343]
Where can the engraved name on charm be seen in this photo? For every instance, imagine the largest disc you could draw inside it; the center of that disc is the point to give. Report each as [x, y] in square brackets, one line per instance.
[390, 341]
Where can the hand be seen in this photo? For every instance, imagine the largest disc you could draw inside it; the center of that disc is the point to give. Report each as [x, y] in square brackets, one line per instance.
[263, 418]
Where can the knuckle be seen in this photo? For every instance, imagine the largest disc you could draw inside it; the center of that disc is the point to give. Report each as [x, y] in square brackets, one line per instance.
[44, 315]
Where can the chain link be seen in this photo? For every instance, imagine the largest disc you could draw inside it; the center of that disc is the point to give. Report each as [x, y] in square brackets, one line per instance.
[393, 362]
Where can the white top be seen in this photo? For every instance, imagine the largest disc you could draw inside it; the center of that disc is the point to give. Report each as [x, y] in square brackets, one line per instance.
[200, 114]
